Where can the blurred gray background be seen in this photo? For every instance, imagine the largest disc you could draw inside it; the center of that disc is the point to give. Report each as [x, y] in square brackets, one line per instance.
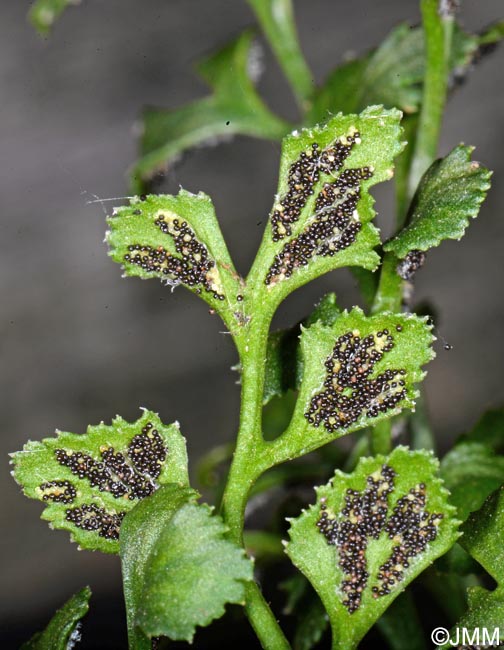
[79, 344]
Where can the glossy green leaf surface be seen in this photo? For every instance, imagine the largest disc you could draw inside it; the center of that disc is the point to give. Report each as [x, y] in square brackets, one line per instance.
[88, 482]
[369, 534]
[322, 212]
[449, 195]
[233, 107]
[357, 372]
[471, 471]
[183, 572]
[483, 539]
[44, 13]
[63, 630]
[177, 239]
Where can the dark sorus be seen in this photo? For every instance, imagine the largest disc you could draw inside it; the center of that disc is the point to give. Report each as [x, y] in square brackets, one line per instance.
[191, 266]
[303, 175]
[333, 227]
[413, 261]
[92, 518]
[349, 391]
[58, 491]
[131, 475]
[411, 527]
[363, 517]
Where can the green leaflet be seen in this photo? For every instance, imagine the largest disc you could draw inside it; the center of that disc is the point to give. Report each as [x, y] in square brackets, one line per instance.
[471, 471]
[369, 534]
[474, 467]
[489, 430]
[483, 538]
[357, 372]
[321, 216]
[178, 240]
[140, 532]
[89, 482]
[284, 365]
[485, 613]
[276, 18]
[450, 193]
[44, 13]
[392, 74]
[493, 35]
[234, 107]
[62, 631]
[181, 572]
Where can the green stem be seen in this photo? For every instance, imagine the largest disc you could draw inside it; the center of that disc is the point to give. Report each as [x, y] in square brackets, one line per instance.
[388, 296]
[245, 469]
[246, 466]
[438, 32]
[263, 620]
[276, 18]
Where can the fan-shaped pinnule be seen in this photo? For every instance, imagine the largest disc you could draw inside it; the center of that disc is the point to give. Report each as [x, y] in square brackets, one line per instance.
[89, 482]
[322, 213]
[369, 534]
